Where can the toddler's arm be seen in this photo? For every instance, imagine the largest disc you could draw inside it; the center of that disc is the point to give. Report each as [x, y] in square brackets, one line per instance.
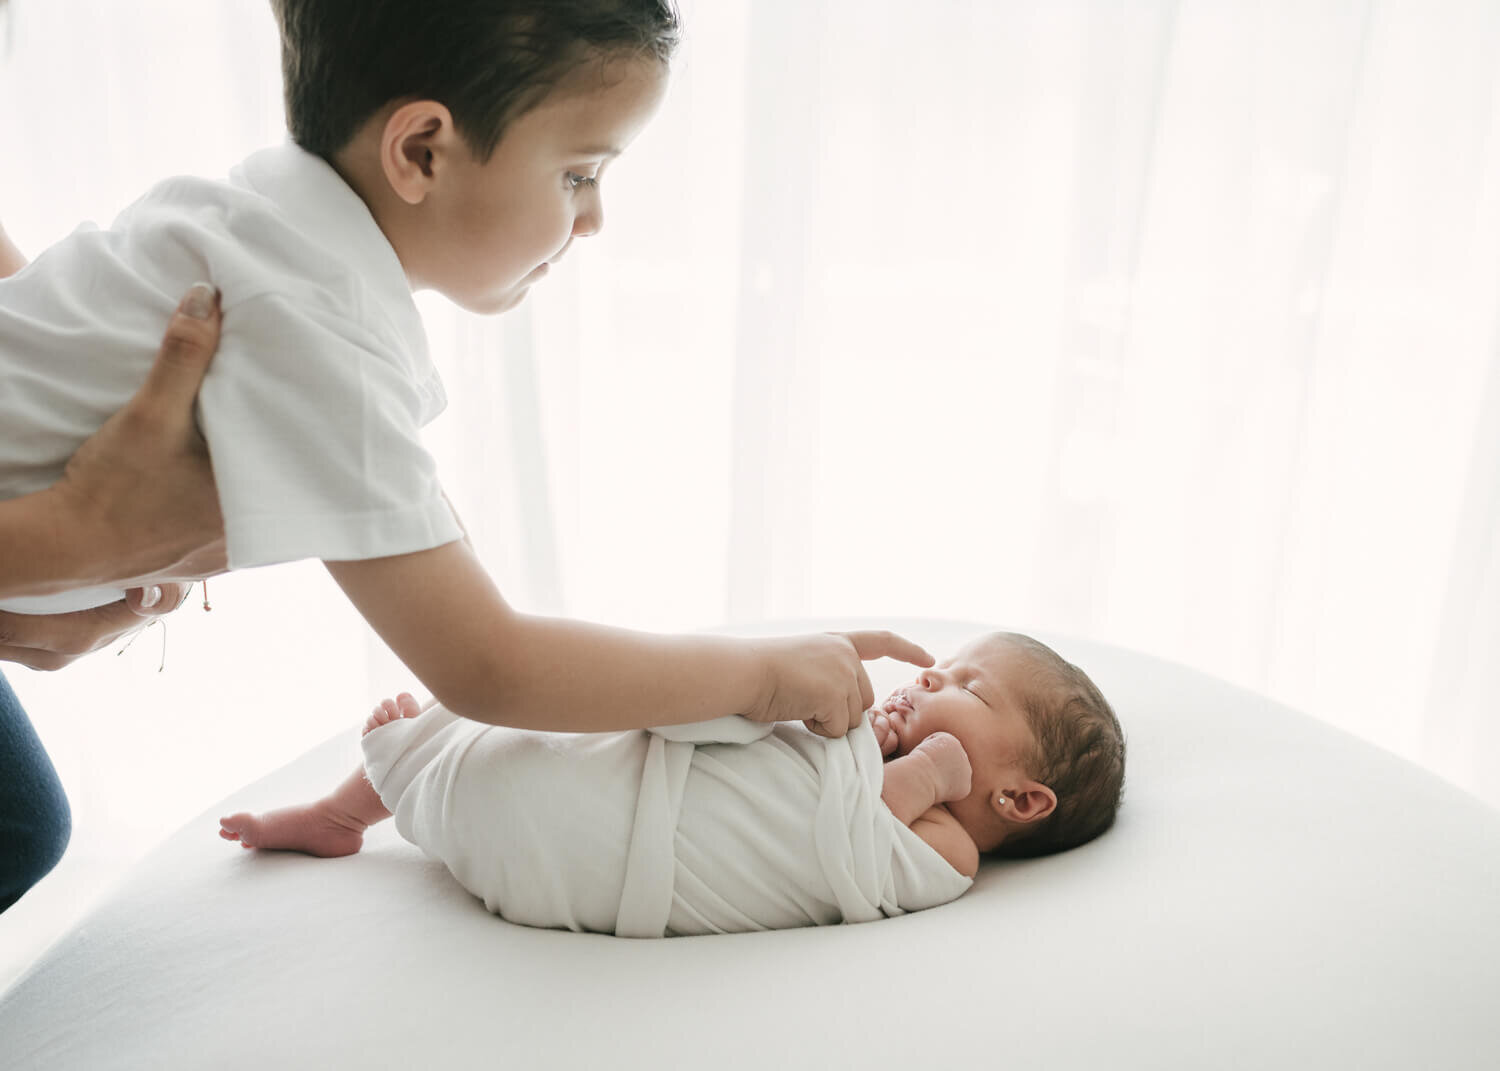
[442, 615]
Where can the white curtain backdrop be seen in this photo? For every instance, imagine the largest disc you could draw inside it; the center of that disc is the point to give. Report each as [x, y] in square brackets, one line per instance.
[1172, 324]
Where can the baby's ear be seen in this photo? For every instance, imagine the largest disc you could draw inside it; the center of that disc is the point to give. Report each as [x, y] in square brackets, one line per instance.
[1028, 802]
[415, 145]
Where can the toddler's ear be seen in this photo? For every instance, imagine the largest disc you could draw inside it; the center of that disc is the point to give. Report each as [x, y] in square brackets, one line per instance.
[414, 147]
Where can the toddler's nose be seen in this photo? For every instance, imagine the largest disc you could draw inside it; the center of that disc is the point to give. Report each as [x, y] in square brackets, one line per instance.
[590, 220]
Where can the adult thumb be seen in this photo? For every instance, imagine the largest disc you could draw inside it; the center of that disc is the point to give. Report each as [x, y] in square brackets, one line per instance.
[186, 350]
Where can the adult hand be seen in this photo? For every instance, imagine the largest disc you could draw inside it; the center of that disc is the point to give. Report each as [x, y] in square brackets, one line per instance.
[139, 496]
[52, 641]
[821, 680]
[136, 506]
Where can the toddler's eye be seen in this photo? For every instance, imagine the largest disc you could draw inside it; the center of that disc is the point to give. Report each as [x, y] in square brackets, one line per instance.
[576, 181]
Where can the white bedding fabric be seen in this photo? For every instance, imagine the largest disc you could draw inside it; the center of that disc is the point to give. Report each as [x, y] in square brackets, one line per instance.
[1274, 894]
[720, 826]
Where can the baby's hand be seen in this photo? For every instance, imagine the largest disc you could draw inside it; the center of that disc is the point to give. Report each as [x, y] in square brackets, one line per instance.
[885, 736]
[949, 763]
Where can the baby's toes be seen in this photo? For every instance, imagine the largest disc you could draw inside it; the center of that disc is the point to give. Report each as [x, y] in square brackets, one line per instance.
[407, 705]
[384, 714]
[244, 828]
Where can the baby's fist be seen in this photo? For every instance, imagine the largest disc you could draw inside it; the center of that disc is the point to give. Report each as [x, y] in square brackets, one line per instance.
[949, 763]
[885, 736]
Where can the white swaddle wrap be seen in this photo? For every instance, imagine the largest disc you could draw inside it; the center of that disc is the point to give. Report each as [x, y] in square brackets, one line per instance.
[714, 827]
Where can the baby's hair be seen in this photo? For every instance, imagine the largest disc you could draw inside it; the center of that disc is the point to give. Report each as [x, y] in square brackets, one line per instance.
[486, 61]
[1080, 754]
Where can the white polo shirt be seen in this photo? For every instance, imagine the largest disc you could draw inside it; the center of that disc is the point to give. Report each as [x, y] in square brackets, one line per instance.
[313, 406]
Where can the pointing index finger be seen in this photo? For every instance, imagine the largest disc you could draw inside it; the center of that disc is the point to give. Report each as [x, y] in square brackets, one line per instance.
[878, 643]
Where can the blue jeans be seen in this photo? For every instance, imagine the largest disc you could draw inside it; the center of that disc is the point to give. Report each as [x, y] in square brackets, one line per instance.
[34, 818]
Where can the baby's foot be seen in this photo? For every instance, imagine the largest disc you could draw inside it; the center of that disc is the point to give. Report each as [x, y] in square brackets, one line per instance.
[949, 763]
[315, 828]
[403, 706]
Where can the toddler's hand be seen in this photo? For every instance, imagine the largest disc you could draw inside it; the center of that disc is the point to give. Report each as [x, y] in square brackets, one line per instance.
[821, 681]
[949, 763]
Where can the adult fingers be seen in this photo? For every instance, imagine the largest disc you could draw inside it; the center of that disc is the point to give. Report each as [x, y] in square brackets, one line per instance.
[156, 599]
[31, 658]
[878, 643]
[51, 641]
[181, 362]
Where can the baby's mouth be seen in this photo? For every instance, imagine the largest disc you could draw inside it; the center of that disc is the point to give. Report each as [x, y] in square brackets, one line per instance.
[898, 702]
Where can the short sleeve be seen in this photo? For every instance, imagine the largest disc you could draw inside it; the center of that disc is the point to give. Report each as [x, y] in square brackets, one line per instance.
[313, 426]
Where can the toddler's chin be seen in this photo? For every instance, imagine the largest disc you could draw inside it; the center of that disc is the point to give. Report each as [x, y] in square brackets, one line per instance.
[494, 304]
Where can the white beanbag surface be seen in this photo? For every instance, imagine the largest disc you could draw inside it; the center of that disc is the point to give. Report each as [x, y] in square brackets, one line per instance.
[1275, 893]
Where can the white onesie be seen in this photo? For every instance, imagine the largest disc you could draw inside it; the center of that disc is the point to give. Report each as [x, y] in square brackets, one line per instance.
[313, 405]
[667, 832]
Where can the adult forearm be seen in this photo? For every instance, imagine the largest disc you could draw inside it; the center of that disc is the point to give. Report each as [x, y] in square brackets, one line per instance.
[38, 548]
[136, 504]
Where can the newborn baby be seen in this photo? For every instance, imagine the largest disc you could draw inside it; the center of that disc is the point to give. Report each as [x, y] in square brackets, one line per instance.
[728, 825]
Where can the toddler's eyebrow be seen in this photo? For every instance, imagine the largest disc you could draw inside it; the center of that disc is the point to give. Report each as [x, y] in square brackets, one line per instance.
[599, 150]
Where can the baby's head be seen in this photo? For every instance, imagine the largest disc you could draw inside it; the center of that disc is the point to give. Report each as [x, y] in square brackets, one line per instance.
[1047, 751]
[475, 130]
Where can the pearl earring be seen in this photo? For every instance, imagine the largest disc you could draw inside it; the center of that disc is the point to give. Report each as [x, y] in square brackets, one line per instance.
[1002, 799]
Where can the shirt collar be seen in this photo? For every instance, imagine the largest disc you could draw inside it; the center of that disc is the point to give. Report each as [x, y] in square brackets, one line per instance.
[322, 206]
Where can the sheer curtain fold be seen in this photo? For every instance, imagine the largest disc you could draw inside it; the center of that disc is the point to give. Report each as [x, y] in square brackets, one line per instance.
[1171, 323]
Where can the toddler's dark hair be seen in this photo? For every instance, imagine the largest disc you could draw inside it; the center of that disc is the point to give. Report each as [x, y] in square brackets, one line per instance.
[1080, 754]
[487, 61]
